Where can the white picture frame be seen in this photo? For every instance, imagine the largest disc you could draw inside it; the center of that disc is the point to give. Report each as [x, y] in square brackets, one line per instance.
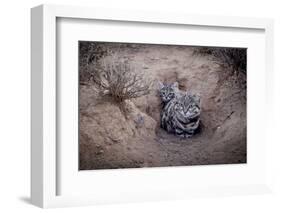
[44, 154]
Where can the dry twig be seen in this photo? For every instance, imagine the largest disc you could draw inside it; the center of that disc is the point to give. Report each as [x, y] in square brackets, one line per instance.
[119, 79]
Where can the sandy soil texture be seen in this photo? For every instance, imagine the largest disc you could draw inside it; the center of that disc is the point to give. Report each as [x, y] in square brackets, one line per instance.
[110, 138]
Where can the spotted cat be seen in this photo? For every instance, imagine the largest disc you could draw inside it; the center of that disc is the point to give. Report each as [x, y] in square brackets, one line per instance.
[181, 111]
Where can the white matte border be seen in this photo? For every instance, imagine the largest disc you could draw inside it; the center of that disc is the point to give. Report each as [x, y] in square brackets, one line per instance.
[128, 182]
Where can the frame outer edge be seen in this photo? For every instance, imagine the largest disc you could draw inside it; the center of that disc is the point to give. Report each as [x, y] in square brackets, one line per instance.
[43, 83]
[270, 103]
[49, 106]
[157, 17]
[37, 106]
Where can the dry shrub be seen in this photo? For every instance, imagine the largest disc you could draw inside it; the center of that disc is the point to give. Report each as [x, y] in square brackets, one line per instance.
[119, 79]
[89, 53]
[235, 58]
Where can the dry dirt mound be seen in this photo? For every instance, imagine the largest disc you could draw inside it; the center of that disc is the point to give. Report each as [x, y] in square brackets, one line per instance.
[108, 128]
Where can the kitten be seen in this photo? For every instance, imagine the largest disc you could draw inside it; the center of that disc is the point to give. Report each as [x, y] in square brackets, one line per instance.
[181, 111]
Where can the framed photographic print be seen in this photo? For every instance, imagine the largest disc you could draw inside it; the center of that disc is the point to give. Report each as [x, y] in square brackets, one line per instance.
[130, 106]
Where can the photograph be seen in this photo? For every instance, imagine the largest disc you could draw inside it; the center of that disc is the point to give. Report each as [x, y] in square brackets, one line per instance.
[161, 105]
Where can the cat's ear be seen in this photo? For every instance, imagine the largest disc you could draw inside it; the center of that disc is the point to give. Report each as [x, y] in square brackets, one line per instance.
[160, 85]
[175, 85]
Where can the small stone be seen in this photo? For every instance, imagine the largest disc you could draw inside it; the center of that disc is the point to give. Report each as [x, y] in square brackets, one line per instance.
[139, 121]
[100, 152]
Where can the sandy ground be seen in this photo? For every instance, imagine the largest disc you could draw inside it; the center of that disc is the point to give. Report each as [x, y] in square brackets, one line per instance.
[111, 139]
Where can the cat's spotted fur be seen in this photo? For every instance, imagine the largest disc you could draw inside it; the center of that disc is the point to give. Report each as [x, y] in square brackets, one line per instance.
[181, 111]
